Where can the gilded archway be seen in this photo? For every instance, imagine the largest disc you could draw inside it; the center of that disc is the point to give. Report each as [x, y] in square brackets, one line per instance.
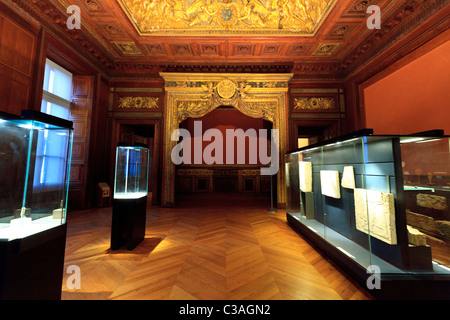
[194, 95]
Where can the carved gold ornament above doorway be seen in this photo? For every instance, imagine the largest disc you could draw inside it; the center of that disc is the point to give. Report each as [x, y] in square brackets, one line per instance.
[218, 17]
[195, 95]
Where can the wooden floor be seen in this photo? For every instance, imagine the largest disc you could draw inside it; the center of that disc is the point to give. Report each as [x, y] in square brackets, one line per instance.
[208, 248]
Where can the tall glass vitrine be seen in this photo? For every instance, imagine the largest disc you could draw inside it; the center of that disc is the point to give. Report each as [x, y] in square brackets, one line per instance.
[130, 196]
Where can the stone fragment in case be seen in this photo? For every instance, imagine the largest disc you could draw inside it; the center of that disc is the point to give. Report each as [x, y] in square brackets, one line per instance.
[305, 172]
[348, 178]
[329, 181]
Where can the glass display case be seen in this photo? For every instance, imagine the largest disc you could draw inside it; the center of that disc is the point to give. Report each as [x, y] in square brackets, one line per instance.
[35, 157]
[131, 180]
[34, 173]
[130, 196]
[376, 201]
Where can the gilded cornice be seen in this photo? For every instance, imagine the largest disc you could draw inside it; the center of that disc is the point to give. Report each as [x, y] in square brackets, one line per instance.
[195, 82]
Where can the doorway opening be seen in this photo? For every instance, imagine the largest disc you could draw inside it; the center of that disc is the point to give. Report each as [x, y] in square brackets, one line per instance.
[238, 177]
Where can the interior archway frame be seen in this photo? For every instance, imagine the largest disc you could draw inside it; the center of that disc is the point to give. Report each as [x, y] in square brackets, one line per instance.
[195, 95]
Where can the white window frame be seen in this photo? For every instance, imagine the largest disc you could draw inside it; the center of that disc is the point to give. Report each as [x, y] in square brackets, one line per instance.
[51, 99]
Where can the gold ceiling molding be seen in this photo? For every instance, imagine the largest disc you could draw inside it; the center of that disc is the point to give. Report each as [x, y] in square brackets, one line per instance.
[233, 17]
[195, 95]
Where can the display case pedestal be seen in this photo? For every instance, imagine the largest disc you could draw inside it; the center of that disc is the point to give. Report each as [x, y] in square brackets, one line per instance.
[32, 268]
[128, 222]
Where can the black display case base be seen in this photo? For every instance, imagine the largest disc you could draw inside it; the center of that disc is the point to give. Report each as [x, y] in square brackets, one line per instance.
[128, 222]
[32, 268]
[391, 286]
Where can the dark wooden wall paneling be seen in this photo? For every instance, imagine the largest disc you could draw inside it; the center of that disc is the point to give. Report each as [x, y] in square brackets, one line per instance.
[18, 48]
[80, 115]
[24, 46]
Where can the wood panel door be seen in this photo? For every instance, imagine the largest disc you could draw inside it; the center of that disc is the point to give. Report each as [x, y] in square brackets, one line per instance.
[80, 115]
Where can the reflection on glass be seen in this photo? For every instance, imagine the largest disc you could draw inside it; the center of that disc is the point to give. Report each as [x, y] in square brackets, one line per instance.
[426, 172]
[370, 222]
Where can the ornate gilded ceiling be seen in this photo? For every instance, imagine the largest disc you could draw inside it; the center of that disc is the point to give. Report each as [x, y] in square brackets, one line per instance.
[314, 39]
[233, 17]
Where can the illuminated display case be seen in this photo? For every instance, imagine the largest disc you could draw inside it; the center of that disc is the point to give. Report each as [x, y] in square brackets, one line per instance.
[35, 157]
[378, 203]
[131, 180]
[130, 196]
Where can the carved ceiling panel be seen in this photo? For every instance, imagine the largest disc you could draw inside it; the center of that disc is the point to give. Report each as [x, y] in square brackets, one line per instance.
[156, 49]
[210, 49]
[128, 48]
[342, 30]
[219, 17]
[325, 49]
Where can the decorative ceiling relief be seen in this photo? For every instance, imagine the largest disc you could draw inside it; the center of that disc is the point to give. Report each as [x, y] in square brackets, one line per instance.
[183, 49]
[206, 17]
[95, 7]
[272, 49]
[341, 31]
[209, 49]
[326, 49]
[314, 39]
[128, 48]
[156, 49]
[358, 8]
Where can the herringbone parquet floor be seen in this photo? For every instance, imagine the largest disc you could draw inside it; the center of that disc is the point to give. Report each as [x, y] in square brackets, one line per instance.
[227, 247]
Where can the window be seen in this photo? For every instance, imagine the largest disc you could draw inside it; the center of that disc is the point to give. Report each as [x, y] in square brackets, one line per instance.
[57, 91]
[51, 149]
